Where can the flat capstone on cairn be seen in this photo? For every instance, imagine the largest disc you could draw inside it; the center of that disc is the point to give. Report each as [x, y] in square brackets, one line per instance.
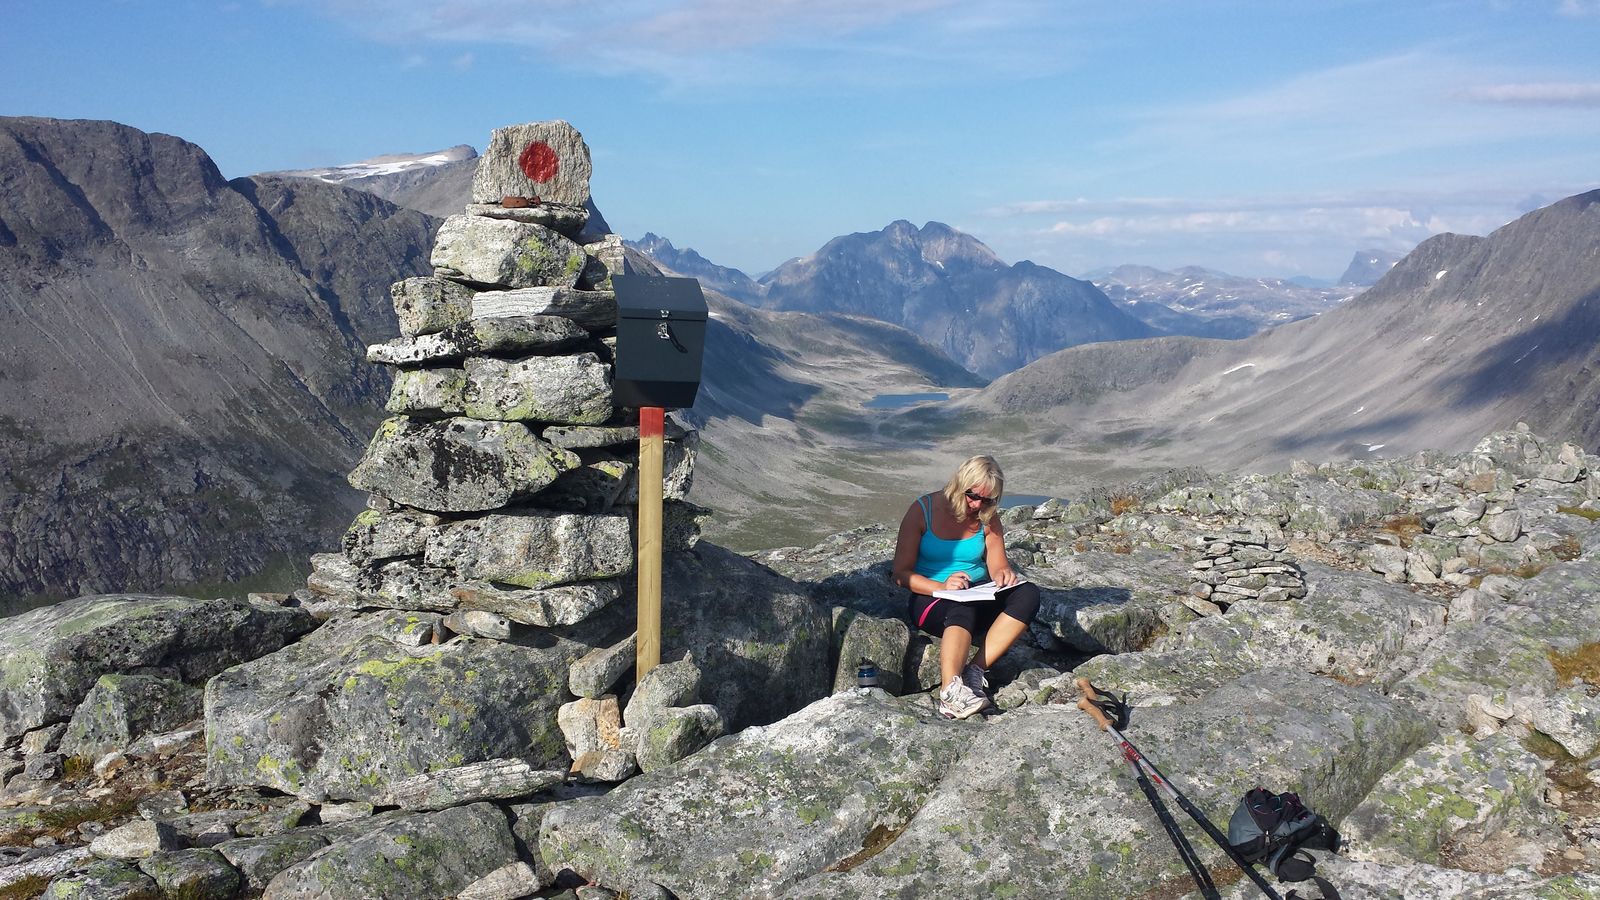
[502, 488]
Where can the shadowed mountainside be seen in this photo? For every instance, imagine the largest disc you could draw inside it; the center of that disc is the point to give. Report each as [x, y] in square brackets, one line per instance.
[183, 358]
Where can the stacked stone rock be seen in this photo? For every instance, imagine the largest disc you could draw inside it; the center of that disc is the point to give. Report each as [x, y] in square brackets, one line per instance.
[502, 483]
[502, 487]
[1241, 565]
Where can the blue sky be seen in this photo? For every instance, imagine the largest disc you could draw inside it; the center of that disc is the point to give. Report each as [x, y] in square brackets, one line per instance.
[1260, 138]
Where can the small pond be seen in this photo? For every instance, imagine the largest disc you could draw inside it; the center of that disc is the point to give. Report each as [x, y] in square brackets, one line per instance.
[898, 401]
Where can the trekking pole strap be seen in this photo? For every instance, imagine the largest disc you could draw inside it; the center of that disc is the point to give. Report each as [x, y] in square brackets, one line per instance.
[1087, 705]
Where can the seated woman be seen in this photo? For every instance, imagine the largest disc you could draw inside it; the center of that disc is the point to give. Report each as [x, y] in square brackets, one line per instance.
[953, 540]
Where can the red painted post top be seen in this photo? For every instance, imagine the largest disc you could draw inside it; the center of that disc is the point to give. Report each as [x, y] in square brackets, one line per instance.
[652, 421]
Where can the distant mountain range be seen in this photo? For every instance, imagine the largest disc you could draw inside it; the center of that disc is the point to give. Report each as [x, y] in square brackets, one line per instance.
[1462, 336]
[183, 359]
[1206, 303]
[722, 279]
[436, 183]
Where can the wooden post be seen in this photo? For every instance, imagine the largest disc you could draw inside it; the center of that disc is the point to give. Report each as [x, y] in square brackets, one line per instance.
[652, 427]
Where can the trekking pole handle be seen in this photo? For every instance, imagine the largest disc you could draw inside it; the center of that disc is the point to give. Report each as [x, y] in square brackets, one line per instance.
[1084, 704]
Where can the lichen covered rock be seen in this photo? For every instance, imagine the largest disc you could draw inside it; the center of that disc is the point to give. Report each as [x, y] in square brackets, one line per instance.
[500, 253]
[346, 713]
[52, 656]
[430, 855]
[1452, 800]
[120, 709]
[458, 464]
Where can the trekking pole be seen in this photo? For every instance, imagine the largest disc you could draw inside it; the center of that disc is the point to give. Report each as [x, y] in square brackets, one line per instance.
[1094, 704]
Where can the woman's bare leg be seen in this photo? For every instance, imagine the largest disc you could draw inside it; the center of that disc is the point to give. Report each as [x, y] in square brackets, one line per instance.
[996, 642]
[953, 649]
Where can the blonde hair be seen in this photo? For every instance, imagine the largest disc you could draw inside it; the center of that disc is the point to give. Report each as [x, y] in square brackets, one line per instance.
[979, 470]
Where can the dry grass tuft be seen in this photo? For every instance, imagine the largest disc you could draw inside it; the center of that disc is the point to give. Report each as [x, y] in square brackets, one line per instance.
[32, 886]
[1581, 664]
[1405, 528]
[1567, 550]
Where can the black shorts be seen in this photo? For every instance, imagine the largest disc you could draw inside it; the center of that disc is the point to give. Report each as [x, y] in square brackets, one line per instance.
[934, 614]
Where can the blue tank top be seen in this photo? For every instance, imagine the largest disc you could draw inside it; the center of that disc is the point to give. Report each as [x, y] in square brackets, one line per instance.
[938, 558]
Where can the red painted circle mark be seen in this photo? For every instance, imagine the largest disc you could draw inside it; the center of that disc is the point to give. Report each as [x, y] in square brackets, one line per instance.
[539, 162]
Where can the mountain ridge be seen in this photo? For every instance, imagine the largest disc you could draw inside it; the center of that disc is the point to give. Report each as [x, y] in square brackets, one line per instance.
[185, 363]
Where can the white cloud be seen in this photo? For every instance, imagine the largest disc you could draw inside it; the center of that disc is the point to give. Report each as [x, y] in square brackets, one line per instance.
[1539, 94]
[737, 43]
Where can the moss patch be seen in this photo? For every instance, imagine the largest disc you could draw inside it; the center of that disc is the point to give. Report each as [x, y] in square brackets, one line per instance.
[1592, 515]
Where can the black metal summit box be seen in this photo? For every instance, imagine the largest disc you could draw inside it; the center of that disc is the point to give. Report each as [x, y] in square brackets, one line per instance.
[661, 337]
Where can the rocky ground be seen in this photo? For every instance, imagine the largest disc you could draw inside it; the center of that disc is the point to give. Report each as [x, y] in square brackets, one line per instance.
[1412, 644]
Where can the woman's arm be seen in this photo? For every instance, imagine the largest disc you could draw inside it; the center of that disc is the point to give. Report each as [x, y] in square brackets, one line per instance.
[994, 547]
[905, 559]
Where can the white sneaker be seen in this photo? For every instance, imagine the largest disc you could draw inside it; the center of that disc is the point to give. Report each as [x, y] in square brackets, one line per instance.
[976, 680]
[957, 701]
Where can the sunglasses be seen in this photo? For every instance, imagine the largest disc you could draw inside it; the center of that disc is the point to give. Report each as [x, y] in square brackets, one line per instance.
[973, 495]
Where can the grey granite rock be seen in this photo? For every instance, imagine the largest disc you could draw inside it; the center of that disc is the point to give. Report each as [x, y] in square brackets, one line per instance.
[597, 672]
[135, 840]
[534, 549]
[376, 536]
[515, 335]
[508, 882]
[492, 779]
[759, 640]
[346, 713]
[569, 220]
[1459, 792]
[495, 253]
[884, 642]
[479, 623]
[573, 390]
[564, 605]
[51, 657]
[593, 487]
[193, 875]
[458, 464]
[593, 310]
[428, 393]
[260, 859]
[104, 879]
[429, 855]
[674, 733]
[120, 709]
[428, 305]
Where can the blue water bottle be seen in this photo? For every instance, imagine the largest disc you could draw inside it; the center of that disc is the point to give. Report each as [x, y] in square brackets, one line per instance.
[866, 676]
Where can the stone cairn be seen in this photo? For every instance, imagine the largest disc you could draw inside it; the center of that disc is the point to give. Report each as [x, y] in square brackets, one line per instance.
[1242, 564]
[502, 487]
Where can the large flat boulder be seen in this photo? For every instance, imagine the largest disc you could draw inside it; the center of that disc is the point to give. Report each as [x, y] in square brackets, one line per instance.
[870, 796]
[348, 712]
[51, 657]
[432, 855]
